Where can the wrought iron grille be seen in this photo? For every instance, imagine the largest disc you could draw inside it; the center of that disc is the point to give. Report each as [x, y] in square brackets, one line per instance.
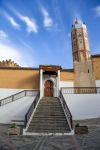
[66, 109]
[32, 107]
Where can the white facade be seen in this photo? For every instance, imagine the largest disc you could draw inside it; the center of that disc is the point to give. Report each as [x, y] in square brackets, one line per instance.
[8, 92]
[15, 110]
[97, 83]
[83, 106]
[56, 83]
[66, 84]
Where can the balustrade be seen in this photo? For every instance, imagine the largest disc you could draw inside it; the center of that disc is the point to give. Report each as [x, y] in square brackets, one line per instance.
[18, 96]
[81, 90]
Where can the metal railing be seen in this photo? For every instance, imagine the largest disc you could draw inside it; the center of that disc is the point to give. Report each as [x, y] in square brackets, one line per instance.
[80, 90]
[32, 107]
[17, 96]
[66, 109]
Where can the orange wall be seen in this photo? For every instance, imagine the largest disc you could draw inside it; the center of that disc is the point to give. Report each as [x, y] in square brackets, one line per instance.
[96, 66]
[29, 78]
[19, 78]
[66, 76]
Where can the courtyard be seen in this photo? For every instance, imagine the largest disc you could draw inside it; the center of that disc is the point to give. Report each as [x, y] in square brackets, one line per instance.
[90, 141]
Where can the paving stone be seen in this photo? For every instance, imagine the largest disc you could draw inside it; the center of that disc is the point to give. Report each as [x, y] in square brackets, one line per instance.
[90, 141]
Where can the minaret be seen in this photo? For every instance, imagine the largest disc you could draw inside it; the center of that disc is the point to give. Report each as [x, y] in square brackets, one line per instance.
[84, 74]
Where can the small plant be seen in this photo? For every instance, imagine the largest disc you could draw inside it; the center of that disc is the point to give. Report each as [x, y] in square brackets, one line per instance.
[77, 125]
[13, 125]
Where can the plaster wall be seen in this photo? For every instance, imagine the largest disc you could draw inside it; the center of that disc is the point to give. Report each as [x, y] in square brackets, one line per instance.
[97, 83]
[66, 84]
[19, 78]
[66, 76]
[8, 92]
[96, 67]
[83, 106]
[15, 110]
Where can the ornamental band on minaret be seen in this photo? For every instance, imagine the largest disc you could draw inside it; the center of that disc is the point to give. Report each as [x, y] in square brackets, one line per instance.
[84, 74]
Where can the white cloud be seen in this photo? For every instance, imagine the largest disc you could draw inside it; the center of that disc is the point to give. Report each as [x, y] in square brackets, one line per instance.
[8, 52]
[30, 23]
[97, 10]
[13, 22]
[48, 22]
[3, 35]
[23, 58]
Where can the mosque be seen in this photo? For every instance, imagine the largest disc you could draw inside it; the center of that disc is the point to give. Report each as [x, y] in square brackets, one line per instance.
[50, 94]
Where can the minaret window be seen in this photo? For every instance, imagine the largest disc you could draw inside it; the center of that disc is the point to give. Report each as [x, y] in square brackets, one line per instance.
[80, 35]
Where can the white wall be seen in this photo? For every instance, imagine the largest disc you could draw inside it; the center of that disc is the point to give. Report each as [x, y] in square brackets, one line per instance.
[66, 84]
[15, 110]
[8, 92]
[83, 106]
[97, 83]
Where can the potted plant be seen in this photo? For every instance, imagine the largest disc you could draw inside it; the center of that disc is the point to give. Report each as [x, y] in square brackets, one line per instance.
[81, 129]
[13, 129]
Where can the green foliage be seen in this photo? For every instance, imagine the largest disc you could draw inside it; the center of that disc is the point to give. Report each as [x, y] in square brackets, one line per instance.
[77, 125]
[13, 125]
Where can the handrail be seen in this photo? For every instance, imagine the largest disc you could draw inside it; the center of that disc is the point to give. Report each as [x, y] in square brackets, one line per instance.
[80, 90]
[32, 107]
[17, 96]
[66, 110]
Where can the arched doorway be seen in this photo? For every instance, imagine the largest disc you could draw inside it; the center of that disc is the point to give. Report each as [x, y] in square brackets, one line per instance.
[48, 88]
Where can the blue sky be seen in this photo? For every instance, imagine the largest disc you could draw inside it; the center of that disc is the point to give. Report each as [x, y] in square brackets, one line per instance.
[34, 32]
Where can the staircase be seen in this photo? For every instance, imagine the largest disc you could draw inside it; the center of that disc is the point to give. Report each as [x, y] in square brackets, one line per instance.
[49, 117]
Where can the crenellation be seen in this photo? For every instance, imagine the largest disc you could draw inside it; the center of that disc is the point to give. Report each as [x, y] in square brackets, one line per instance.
[8, 63]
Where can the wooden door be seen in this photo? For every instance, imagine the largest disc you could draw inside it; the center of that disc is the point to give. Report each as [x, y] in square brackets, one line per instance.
[48, 88]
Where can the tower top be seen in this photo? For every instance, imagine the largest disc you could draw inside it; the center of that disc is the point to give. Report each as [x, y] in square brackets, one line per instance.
[78, 24]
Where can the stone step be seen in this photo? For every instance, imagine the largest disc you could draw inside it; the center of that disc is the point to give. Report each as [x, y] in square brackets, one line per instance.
[60, 130]
[49, 131]
[49, 113]
[60, 118]
[49, 106]
[47, 128]
[48, 122]
[44, 126]
[49, 109]
[52, 130]
[49, 117]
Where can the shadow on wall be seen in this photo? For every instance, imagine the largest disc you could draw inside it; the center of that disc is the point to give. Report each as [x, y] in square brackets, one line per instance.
[29, 82]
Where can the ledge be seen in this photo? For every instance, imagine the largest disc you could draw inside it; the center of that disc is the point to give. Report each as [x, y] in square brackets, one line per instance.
[21, 68]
